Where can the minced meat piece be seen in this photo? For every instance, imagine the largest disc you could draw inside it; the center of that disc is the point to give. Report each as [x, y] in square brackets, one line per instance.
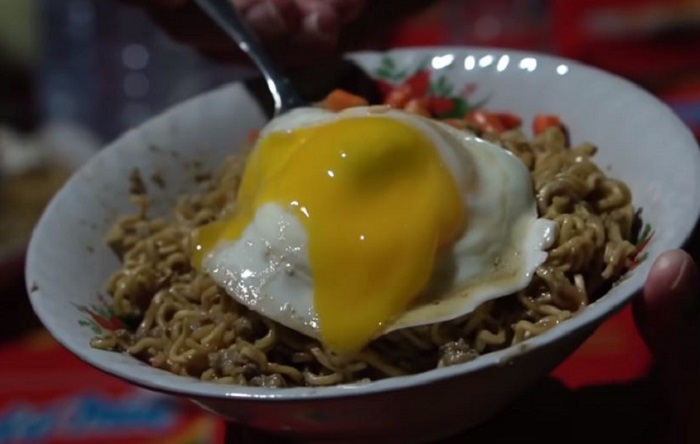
[271, 381]
[230, 362]
[456, 352]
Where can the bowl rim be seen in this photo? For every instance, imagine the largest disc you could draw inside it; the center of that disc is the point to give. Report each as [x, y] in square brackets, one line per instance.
[192, 387]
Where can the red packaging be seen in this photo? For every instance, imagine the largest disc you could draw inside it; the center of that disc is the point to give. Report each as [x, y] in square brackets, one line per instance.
[47, 395]
[645, 40]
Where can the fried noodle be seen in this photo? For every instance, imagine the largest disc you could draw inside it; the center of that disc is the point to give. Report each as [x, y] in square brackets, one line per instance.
[187, 325]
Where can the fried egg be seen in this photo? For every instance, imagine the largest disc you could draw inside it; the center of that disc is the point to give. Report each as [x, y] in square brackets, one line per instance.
[350, 225]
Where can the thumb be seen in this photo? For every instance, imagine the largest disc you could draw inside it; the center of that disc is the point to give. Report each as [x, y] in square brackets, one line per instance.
[668, 317]
[669, 303]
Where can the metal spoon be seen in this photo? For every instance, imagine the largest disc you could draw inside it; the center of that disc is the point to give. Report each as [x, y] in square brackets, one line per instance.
[284, 96]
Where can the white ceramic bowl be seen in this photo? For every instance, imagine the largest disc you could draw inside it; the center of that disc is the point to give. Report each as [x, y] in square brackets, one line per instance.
[640, 141]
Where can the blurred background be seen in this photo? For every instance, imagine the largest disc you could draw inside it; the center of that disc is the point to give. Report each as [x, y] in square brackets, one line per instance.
[74, 74]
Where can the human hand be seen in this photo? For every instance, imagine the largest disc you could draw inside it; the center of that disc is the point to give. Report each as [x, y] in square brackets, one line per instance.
[294, 31]
[668, 317]
[302, 24]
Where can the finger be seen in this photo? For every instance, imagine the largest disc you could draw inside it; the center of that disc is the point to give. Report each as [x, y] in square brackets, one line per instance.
[668, 316]
[293, 29]
[270, 19]
[320, 20]
[188, 25]
[670, 293]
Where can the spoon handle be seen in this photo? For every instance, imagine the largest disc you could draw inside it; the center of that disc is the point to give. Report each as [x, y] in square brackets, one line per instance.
[224, 14]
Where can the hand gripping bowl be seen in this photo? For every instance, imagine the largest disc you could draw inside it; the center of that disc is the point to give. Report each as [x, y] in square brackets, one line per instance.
[640, 140]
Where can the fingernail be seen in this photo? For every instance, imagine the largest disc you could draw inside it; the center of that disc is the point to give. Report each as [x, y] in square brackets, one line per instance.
[679, 281]
[265, 17]
[320, 24]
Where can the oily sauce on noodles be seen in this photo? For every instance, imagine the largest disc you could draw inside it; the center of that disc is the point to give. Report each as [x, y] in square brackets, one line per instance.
[187, 325]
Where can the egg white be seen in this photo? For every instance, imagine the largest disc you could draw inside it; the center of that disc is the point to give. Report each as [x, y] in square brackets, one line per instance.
[268, 268]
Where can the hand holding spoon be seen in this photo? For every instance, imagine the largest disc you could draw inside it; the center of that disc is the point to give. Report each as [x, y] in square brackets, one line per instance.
[284, 96]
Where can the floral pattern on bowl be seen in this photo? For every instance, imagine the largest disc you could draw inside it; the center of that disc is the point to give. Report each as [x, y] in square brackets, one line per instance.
[644, 238]
[445, 100]
[99, 317]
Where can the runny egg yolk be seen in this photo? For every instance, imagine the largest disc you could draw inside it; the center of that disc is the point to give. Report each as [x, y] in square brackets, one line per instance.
[378, 204]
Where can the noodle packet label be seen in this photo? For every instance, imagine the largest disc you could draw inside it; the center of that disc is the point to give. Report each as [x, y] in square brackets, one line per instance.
[49, 396]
